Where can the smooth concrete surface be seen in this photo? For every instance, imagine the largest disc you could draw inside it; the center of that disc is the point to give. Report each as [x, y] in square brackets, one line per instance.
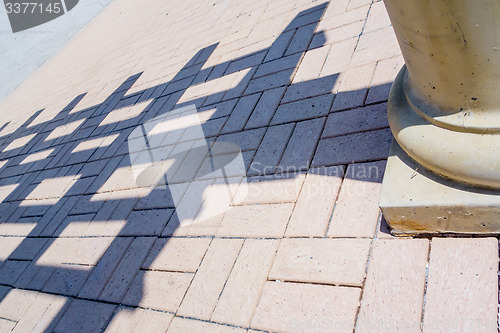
[415, 201]
[22, 53]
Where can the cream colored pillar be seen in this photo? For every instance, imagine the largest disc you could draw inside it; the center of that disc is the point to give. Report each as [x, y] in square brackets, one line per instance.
[444, 112]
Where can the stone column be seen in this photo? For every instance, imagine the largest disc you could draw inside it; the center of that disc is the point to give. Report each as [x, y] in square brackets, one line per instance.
[444, 111]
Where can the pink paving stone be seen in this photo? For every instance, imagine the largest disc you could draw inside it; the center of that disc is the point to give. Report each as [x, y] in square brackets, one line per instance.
[182, 325]
[206, 287]
[293, 307]
[331, 261]
[158, 290]
[462, 288]
[313, 210]
[356, 212]
[256, 221]
[130, 320]
[244, 286]
[177, 254]
[394, 288]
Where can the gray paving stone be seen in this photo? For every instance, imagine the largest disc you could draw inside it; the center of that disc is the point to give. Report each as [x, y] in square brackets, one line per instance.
[357, 120]
[269, 81]
[301, 146]
[266, 108]
[280, 45]
[127, 269]
[303, 109]
[146, 222]
[241, 113]
[246, 140]
[360, 147]
[306, 89]
[271, 149]
[11, 270]
[278, 65]
[301, 40]
[85, 316]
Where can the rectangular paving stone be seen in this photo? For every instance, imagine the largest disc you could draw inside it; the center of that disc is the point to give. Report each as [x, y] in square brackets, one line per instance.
[301, 146]
[278, 65]
[236, 304]
[158, 290]
[146, 222]
[85, 316]
[314, 207]
[177, 254]
[322, 86]
[360, 147]
[11, 270]
[354, 84]
[357, 120]
[384, 75]
[311, 64]
[105, 268]
[270, 150]
[303, 109]
[394, 288]
[330, 261]
[279, 188]
[238, 118]
[282, 308]
[127, 269]
[462, 287]
[246, 140]
[301, 40]
[269, 81]
[356, 212]
[130, 320]
[266, 107]
[206, 287]
[256, 221]
[15, 303]
[184, 325]
[280, 45]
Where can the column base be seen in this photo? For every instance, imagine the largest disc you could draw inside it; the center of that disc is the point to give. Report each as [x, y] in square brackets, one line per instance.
[417, 201]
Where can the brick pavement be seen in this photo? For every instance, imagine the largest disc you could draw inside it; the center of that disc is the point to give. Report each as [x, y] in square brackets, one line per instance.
[300, 88]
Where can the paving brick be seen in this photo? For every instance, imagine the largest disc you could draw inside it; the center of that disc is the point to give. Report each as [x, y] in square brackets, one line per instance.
[15, 303]
[281, 308]
[245, 62]
[317, 87]
[269, 81]
[339, 57]
[394, 288]
[279, 188]
[353, 87]
[311, 64]
[206, 287]
[127, 269]
[246, 140]
[330, 261]
[127, 319]
[278, 65]
[11, 270]
[301, 146]
[360, 147]
[377, 18]
[238, 118]
[256, 221]
[85, 316]
[356, 212]
[357, 120]
[236, 304]
[374, 46]
[146, 222]
[105, 268]
[42, 314]
[280, 45]
[314, 207]
[384, 75]
[150, 289]
[337, 35]
[8, 245]
[341, 18]
[264, 111]
[182, 325]
[462, 287]
[177, 254]
[270, 150]
[301, 40]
